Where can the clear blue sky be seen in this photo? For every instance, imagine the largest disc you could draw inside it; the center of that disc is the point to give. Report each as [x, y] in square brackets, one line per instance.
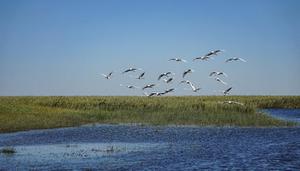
[61, 47]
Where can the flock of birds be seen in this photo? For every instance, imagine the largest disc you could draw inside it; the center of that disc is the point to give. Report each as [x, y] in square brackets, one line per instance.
[167, 77]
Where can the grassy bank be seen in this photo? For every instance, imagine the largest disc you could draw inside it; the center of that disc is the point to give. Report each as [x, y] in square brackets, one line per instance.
[24, 113]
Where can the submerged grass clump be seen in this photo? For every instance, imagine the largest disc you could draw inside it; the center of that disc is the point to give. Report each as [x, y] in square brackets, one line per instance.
[24, 113]
[8, 150]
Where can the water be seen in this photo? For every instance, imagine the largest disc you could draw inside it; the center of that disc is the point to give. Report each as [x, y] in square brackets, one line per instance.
[285, 114]
[136, 147]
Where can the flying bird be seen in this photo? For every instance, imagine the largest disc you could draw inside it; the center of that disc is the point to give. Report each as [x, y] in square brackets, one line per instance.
[235, 59]
[151, 94]
[166, 74]
[168, 80]
[148, 86]
[208, 55]
[221, 81]
[141, 76]
[108, 76]
[185, 81]
[186, 72]
[130, 86]
[129, 70]
[232, 102]
[226, 92]
[177, 60]
[215, 73]
[169, 90]
[204, 58]
[161, 93]
[214, 52]
[195, 89]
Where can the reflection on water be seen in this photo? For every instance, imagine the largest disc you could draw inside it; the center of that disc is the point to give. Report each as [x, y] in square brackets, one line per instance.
[125, 147]
[286, 114]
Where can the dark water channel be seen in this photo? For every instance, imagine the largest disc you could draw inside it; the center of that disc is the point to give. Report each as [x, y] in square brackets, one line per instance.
[136, 147]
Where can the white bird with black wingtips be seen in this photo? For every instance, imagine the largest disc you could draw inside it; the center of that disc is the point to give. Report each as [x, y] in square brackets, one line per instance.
[235, 59]
[169, 90]
[130, 86]
[141, 76]
[166, 74]
[221, 81]
[232, 102]
[151, 94]
[195, 89]
[204, 58]
[108, 76]
[177, 60]
[185, 81]
[226, 92]
[187, 72]
[208, 55]
[215, 73]
[148, 86]
[168, 80]
[129, 70]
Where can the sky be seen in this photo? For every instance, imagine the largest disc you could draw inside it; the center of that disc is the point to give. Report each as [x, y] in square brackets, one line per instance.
[61, 47]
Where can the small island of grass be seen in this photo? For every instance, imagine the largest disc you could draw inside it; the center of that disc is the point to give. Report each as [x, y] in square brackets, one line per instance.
[26, 113]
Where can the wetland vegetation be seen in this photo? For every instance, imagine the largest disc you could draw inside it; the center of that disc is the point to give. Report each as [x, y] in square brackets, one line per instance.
[29, 112]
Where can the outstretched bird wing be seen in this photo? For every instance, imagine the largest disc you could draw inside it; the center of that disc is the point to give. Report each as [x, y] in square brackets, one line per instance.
[241, 59]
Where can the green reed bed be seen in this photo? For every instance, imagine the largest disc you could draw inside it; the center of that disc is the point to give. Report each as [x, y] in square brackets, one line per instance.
[25, 113]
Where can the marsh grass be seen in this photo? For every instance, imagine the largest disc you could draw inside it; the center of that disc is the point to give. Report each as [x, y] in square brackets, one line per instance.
[24, 113]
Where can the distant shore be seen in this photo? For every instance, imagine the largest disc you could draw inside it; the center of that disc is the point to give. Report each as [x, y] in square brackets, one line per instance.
[30, 112]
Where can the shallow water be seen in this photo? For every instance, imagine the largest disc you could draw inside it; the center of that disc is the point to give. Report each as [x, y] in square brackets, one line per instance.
[136, 147]
[285, 114]
[73, 156]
